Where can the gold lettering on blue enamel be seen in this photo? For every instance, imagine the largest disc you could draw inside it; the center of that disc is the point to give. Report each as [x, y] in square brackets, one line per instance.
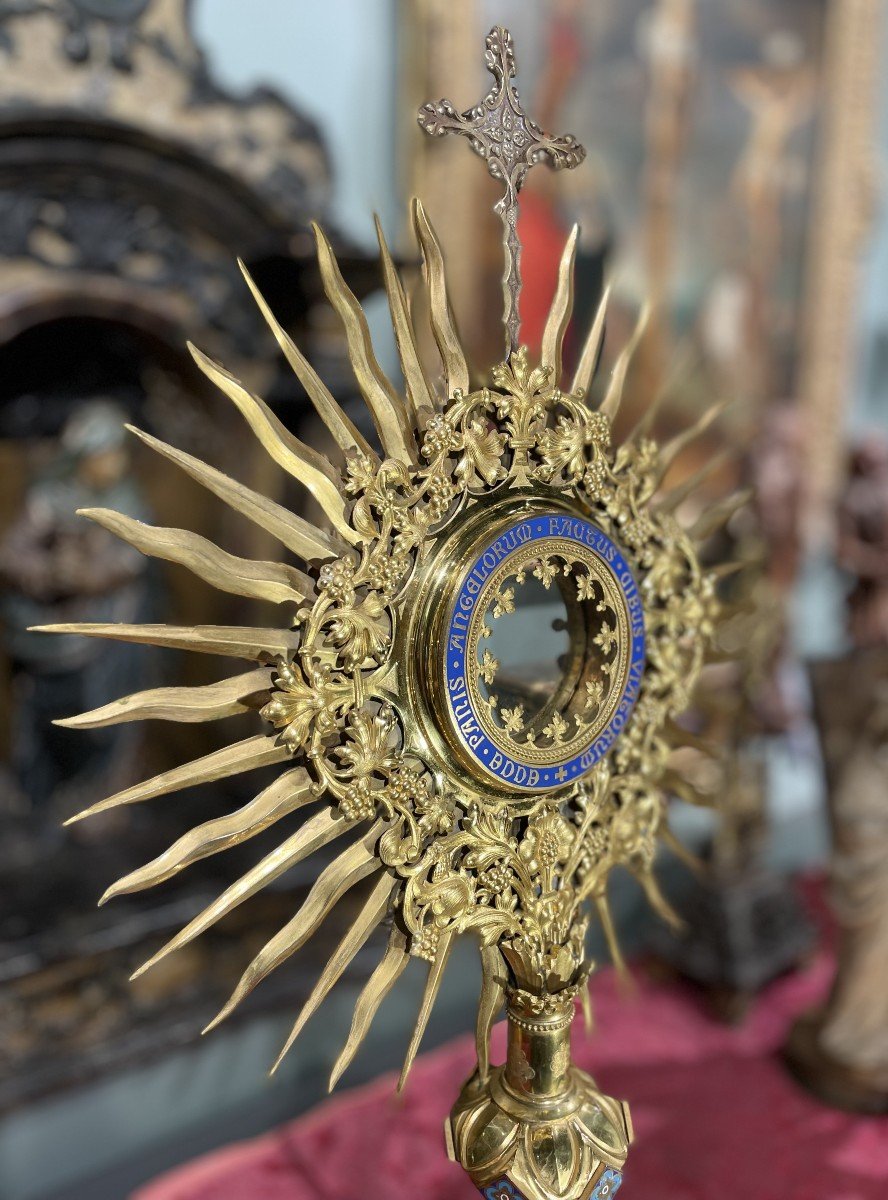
[595, 701]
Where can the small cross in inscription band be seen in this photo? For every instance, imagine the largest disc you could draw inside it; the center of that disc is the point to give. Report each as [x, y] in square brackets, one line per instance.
[561, 774]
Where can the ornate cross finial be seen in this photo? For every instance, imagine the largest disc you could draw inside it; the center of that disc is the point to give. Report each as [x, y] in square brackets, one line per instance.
[502, 133]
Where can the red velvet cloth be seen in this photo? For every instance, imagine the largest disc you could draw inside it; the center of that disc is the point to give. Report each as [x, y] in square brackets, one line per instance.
[716, 1116]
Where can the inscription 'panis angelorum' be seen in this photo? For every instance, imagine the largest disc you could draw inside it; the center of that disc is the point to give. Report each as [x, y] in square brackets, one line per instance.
[603, 673]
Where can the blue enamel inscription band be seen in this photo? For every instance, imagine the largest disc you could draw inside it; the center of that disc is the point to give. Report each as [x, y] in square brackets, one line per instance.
[526, 541]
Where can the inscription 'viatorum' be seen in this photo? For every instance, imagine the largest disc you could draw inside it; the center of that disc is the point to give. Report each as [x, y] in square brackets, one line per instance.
[571, 744]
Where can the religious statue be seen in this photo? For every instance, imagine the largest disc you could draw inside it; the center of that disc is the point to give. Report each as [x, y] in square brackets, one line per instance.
[669, 44]
[54, 566]
[841, 1051]
[463, 808]
[779, 95]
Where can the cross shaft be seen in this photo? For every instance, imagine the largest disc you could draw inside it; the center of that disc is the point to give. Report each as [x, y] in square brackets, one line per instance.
[500, 131]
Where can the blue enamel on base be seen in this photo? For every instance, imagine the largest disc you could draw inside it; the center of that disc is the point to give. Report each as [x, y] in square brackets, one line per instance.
[538, 528]
[607, 1186]
[504, 1189]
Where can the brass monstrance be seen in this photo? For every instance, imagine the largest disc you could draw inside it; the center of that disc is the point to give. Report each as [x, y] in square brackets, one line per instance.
[461, 809]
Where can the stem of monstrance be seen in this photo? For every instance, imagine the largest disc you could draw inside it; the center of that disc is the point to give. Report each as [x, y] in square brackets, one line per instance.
[511, 143]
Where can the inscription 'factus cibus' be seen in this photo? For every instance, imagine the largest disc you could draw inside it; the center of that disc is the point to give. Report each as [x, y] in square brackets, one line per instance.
[525, 542]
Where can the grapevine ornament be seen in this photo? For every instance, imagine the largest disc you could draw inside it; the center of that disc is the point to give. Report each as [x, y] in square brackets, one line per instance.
[460, 808]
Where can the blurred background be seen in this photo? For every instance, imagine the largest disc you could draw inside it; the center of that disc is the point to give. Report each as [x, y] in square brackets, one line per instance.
[734, 177]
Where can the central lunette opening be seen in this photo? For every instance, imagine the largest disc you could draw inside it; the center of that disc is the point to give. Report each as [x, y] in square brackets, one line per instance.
[538, 647]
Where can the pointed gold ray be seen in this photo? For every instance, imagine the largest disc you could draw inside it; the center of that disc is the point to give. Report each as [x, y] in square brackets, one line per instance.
[377, 987]
[372, 912]
[247, 755]
[713, 658]
[288, 452]
[681, 851]
[676, 496]
[388, 411]
[456, 371]
[681, 365]
[289, 792]
[419, 394]
[355, 863]
[728, 612]
[591, 352]
[343, 431]
[234, 640]
[610, 934]
[210, 702]
[429, 996]
[712, 519]
[679, 737]
[642, 428]
[490, 1003]
[657, 900]
[419, 312]
[292, 531]
[725, 570]
[613, 397]
[275, 582]
[681, 441]
[588, 1015]
[677, 785]
[318, 831]
[562, 305]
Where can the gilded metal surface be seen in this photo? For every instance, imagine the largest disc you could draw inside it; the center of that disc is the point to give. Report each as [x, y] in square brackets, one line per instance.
[354, 699]
[502, 133]
[537, 1124]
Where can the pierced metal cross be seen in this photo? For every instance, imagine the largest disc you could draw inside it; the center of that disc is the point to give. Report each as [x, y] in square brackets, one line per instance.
[502, 133]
